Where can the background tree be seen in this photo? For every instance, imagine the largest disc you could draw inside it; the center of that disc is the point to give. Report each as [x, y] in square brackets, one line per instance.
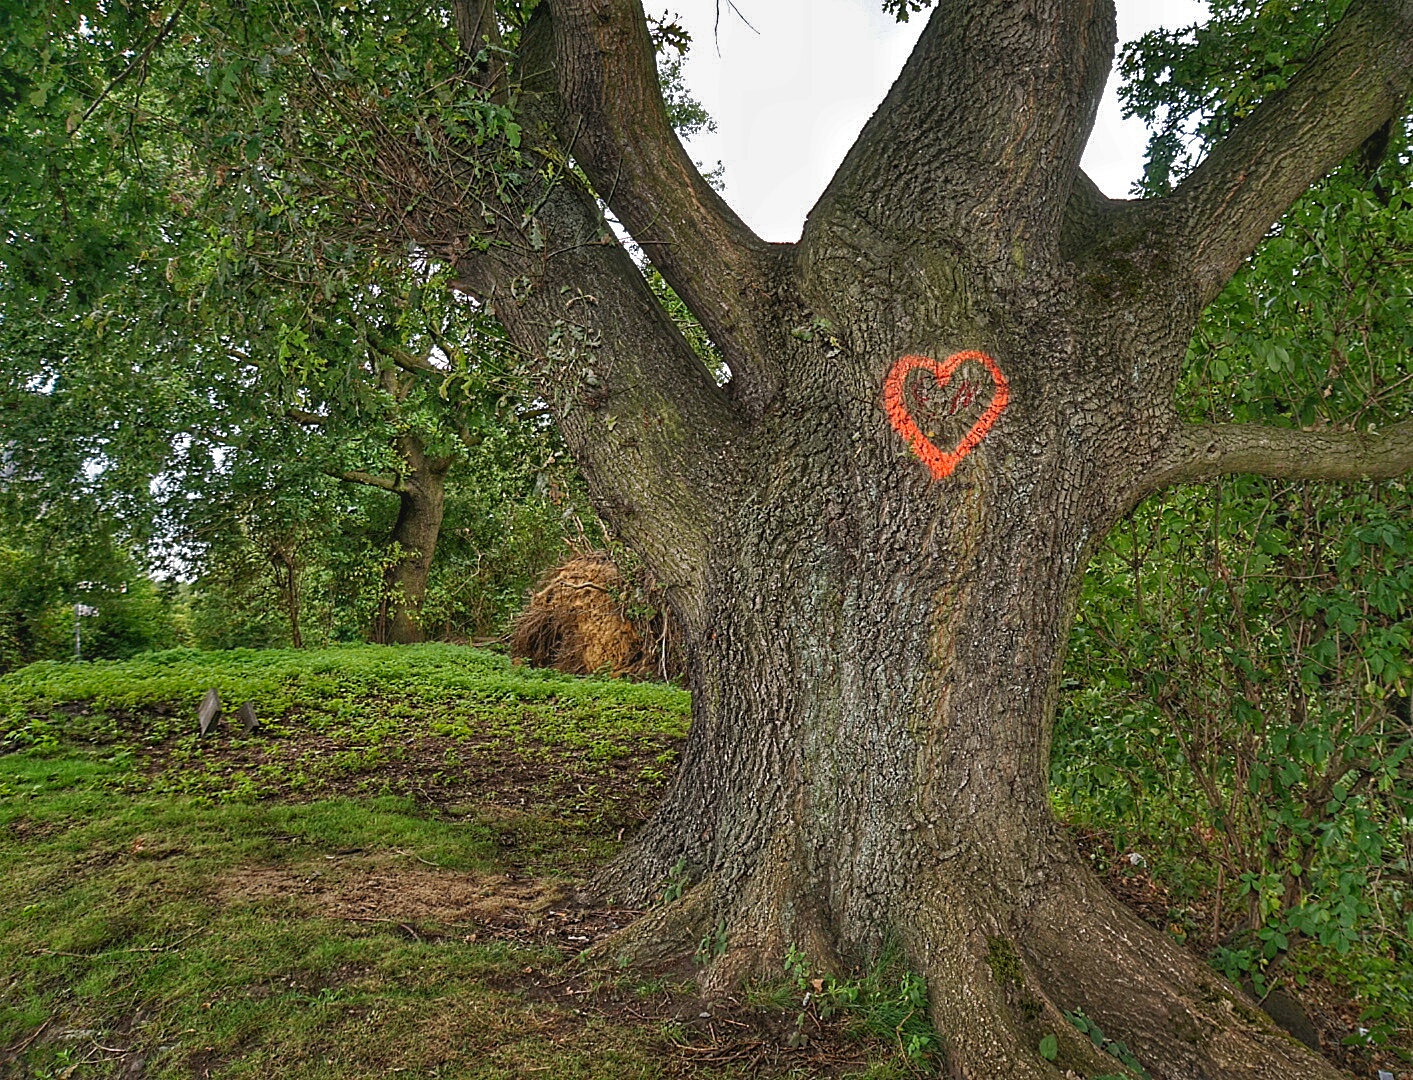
[394, 387]
[218, 290]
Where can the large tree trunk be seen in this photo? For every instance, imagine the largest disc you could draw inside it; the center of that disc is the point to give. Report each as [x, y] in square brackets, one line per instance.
[941, 399]
[874, 681]
[421, 493]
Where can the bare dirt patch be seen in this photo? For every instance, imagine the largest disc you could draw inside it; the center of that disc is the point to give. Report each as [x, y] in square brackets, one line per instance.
[22, 830]
[429, 902]
[393, 894]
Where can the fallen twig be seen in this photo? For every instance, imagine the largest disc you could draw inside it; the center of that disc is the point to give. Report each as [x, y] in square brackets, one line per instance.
[21, 1047]
[414, 855]
[111, 952]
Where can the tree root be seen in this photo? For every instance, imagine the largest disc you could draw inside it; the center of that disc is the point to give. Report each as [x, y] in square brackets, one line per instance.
[663, 937]
[1181, 1019]
[989, 1012]
[1003, 967]
[732, 943]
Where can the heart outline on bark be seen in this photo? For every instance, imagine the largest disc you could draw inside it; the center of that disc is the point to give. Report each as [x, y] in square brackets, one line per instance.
[941, 462]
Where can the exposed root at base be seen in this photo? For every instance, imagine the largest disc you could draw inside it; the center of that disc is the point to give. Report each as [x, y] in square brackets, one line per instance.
[1182, 1020]
[1001, 985]
[665, 936]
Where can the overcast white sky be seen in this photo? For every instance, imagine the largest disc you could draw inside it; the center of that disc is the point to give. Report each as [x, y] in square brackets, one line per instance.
[790, 100]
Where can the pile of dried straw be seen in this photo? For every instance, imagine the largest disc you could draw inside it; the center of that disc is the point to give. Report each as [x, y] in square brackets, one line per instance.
[576, 622]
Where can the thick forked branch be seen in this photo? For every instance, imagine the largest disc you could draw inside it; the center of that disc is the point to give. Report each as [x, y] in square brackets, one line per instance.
[1357, 80]
[1086, 218]
[1203, 451]
[636, 406]
[615, 125]
[979, 140]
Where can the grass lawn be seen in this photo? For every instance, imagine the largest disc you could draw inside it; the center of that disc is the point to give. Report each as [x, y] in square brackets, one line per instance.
[380, 881]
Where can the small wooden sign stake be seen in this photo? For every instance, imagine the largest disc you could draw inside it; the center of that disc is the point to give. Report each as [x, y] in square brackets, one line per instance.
[247, 717]
[209, 711]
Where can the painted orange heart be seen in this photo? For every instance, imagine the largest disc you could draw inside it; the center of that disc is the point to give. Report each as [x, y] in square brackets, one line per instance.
[941, 462]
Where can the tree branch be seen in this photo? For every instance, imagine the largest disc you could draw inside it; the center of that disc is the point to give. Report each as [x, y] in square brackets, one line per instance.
[1357, 80]
[136, 62]
[1204, 451]
[636, 406]
[478, 30]
[615, 125]
[394, 385]
[978, 142]
[356, 476]
[472, 440]
[401, 357]
[1088, 212]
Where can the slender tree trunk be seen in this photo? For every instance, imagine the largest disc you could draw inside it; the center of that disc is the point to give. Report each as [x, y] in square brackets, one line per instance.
[286, 566]
[421, 493]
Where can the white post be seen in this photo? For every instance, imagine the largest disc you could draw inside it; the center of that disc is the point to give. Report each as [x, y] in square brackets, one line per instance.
[81, 611]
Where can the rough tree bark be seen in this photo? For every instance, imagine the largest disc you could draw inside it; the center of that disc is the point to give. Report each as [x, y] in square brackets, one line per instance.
[420, 487]
[875, 550]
